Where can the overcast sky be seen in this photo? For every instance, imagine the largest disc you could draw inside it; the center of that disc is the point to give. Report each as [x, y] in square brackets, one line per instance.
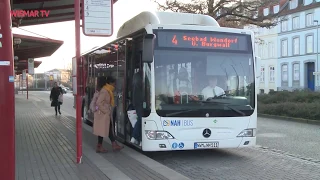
[123, 11]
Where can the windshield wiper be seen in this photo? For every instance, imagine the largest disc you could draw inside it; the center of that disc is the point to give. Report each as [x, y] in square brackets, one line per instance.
[226, 105]
[179, 112]
[235, 110]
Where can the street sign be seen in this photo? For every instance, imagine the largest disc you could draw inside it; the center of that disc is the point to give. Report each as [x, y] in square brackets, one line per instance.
[24, 74]
[31, 66]
[316, 73]
[97, 17]
[74, 66]
[74, 85]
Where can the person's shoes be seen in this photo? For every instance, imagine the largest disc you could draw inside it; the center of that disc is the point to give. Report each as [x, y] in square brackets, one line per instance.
[59, 112]
[116, 147]
[133, 140]
[100, 149]
[56, 113]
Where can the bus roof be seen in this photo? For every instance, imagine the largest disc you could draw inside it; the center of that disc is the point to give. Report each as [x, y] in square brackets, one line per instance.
[145, 18]
[141, 20]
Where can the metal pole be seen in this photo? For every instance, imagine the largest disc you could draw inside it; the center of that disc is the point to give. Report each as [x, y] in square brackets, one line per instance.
[78, 96]
[7, 99]
[317, 66]
[316, 76]
[27, 85]
[20, 82]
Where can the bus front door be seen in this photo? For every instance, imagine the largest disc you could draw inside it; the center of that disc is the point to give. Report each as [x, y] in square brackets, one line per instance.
[119, 111]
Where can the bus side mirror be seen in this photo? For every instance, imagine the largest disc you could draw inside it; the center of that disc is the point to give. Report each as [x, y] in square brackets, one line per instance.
[148, 47]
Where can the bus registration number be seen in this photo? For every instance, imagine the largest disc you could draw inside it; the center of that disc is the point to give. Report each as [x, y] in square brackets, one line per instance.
[206, 145]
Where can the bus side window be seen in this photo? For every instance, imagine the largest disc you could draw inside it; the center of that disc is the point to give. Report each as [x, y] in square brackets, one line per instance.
[146, 89]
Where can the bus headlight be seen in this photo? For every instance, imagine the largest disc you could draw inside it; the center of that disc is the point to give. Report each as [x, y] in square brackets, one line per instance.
[158, 135]
[247, 133]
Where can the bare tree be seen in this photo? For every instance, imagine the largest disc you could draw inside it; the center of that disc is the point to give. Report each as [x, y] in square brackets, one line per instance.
[229, 13]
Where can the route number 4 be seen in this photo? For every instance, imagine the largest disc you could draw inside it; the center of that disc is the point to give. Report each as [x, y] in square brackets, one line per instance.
[174, 40]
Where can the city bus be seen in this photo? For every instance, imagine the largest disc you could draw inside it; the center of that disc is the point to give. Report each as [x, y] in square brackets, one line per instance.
[198, 82]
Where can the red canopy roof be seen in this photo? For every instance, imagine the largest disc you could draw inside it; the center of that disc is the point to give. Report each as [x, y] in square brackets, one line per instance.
[60, 10]
[33, 47]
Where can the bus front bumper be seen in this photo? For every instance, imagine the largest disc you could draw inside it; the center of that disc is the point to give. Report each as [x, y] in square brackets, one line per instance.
[175, 144]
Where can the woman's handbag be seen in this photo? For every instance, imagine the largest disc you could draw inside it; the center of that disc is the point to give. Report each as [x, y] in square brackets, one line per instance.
[60, 99]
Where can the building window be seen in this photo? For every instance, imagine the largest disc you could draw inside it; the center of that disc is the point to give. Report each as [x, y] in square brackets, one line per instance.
[266, 11]
[309, 44]
[276, 9]
[284, 47]
[269, 49]
[271, 74]
[309, 19]
[262, 74]
[296, 72]
[273, 50]
[296, 23]
[265, 53]
[307, 2]
[261, 50]
[293, 4]
[296, 46]
[284, 25]
[284, 72]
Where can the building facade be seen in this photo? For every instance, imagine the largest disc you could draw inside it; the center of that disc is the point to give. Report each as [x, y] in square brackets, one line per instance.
[60, 75]
[289, 51]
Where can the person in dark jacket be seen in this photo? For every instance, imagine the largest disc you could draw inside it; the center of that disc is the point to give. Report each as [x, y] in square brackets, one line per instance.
[137, 102]
[56, 91]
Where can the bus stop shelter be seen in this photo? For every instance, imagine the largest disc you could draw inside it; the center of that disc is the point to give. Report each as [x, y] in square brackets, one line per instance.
[62, 10]
[26, 47]
[32, 47]
[35, 47]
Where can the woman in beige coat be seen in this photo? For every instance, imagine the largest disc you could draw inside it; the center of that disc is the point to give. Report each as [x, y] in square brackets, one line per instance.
[103, 121]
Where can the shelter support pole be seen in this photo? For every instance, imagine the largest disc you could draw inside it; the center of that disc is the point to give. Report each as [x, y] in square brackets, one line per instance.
[19, 83]
[79, 84]
[7, 100]
[27, 86]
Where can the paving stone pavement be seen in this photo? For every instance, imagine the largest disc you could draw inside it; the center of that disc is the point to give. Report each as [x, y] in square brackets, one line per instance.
[133, 169]
[42, 152]
[35, 118]
[233, 164]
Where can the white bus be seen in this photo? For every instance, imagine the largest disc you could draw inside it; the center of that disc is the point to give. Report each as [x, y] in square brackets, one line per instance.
[198, 85]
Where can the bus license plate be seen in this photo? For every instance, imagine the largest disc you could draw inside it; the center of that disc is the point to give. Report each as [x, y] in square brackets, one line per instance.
[206, 145]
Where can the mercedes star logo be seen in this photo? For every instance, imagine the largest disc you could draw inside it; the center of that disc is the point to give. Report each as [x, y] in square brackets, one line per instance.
[206, 133]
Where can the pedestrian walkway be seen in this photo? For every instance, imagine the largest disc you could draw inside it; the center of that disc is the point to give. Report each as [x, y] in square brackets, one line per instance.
[42, 152]
[46, 144]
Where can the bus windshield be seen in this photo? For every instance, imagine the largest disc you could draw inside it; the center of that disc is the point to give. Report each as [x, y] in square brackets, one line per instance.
[193, 81]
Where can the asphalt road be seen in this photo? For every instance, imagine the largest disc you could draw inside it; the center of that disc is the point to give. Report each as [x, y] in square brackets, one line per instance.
[286, 150]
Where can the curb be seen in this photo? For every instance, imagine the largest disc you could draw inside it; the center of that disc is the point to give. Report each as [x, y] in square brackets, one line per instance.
[143, 159]
[284, 118]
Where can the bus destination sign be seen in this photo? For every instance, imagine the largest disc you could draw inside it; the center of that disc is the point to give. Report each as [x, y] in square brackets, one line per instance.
[213, 40]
